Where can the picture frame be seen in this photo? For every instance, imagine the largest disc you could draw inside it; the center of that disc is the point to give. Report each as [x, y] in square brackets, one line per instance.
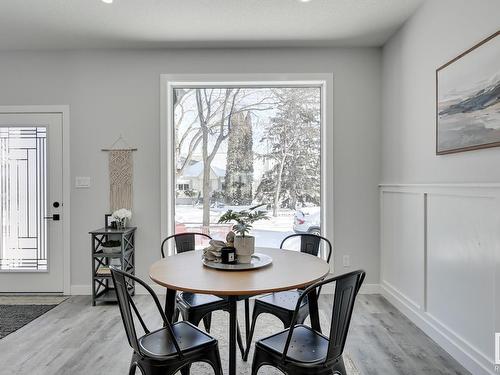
[467, 104]
[109, 221]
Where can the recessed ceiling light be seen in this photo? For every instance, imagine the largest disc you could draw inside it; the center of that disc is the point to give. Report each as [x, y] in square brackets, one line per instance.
[107, 1]
[302, 1]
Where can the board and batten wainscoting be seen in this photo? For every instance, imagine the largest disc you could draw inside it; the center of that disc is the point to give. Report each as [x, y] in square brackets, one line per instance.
[440, 264]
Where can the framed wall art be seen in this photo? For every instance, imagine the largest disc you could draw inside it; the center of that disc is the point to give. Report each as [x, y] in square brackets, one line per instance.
[468, 99]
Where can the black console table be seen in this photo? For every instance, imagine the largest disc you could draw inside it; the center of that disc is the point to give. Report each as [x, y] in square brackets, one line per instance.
[102, 284]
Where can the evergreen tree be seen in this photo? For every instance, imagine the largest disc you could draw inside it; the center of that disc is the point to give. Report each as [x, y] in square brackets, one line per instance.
[239, 164]
[293, 137]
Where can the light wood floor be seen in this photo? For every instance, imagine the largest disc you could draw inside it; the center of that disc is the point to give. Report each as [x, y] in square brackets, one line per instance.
[75, 338]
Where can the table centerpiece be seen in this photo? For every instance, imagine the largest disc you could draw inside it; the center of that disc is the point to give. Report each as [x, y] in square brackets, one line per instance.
[244, 243]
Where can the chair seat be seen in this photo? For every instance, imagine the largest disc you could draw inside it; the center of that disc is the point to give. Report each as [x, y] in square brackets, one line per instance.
[285, 300]
[198, 300]
[306, 346]
[158, 344]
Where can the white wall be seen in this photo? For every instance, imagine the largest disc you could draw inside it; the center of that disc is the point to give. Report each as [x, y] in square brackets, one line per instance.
[438, 32]
[118, 92]
[440, 244]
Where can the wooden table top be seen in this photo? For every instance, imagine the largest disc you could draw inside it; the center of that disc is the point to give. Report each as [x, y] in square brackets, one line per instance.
[289, 270]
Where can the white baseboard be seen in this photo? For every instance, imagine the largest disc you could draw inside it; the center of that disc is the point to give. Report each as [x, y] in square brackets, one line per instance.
[370, 289]
[466, 355]
[81, 290]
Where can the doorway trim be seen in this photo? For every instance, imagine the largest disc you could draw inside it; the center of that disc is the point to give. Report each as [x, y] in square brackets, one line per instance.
[66, 176]
[167, 132]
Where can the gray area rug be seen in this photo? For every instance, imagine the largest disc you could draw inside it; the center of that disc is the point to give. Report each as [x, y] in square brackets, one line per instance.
[13, 317]
[266, 326]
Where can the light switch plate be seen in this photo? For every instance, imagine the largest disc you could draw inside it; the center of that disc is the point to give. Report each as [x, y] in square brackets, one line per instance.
[346, 262]
[82, 182]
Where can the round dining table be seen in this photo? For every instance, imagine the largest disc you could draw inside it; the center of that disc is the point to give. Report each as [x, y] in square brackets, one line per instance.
[288, 270]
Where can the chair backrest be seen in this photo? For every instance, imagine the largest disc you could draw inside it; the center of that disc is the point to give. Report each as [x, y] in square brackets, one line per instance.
[122, 280]
[346, 289]
[183, 241]
[310, 244]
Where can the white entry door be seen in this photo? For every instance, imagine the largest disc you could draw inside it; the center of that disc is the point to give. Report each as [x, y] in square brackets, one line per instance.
[31, 229]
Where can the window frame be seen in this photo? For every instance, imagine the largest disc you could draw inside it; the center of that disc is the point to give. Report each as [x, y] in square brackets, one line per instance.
[169, 82]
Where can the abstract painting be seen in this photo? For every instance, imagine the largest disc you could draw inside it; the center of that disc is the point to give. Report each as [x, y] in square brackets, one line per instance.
[468, 99]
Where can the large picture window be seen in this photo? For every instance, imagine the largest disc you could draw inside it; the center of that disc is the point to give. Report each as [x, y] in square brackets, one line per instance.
[237, 147]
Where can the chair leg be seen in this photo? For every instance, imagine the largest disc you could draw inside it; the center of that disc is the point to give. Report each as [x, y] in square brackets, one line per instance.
[133, 366]
[339, 368]
[184, 315]
[214, 359]
[240, 341]
[207, 322]
[176, 315]
[148, 368]
[247, 317]
[186, 369]
[257, 361]
[255, 314]
[195, 317]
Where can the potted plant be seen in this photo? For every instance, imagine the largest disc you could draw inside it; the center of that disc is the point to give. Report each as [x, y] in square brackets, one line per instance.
[243, 243]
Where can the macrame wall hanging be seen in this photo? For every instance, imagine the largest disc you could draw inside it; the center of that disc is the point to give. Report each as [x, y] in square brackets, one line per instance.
[120, 175]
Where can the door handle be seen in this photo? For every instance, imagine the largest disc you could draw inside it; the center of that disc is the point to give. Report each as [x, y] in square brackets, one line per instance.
[55, 217]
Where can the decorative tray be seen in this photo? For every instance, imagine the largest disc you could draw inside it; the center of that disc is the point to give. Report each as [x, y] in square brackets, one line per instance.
[259, 260]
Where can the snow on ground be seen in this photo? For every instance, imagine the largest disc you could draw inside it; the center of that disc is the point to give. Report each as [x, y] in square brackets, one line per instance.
[266, 232]
[189, 214]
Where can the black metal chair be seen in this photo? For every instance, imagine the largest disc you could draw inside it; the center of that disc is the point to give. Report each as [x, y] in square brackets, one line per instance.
[166, 350]
[300, 350]
[195, 307]
[282, 304]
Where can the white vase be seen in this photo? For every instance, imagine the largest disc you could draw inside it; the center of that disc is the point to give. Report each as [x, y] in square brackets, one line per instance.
[245, 247]
[121, 224]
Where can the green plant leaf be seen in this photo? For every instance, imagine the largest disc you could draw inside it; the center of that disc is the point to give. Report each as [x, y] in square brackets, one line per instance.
[244, 219]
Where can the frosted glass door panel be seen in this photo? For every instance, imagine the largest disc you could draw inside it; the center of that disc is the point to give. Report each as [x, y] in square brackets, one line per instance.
[23, 192]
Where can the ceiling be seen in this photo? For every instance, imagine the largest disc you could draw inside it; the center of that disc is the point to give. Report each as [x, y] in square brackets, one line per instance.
[74, 24]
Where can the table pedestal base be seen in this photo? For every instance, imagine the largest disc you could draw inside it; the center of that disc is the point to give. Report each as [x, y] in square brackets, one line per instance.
[232, 334]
